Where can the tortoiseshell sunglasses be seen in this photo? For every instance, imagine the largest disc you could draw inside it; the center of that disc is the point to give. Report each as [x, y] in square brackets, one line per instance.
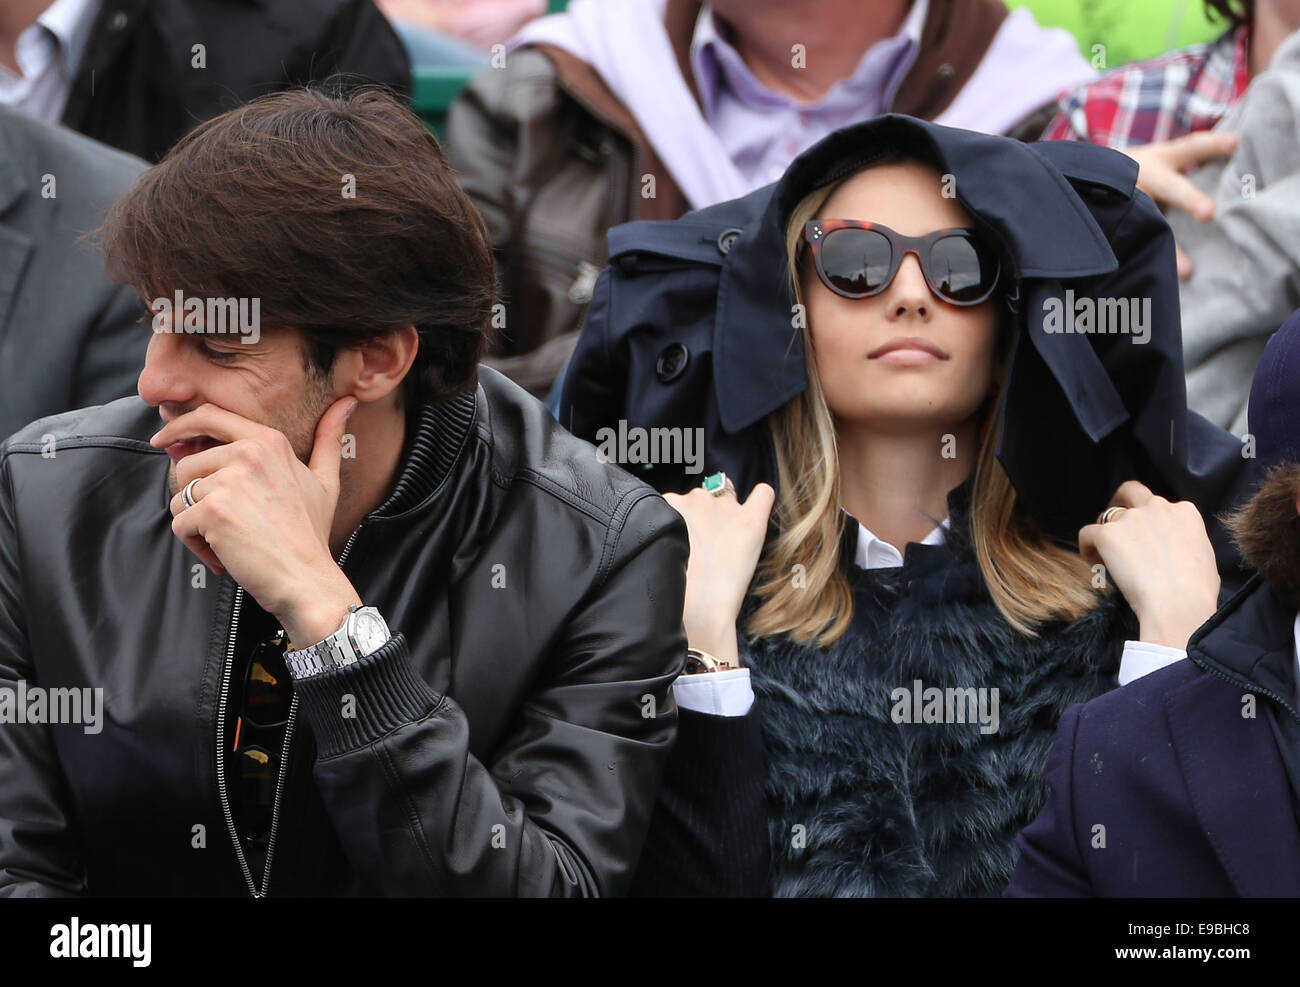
[857, 260]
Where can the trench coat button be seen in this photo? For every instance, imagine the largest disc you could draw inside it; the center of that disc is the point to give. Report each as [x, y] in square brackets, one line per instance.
[672, 361]
[727, 238]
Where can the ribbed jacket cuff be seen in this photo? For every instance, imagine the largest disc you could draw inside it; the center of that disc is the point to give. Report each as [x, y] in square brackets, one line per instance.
[352, 707]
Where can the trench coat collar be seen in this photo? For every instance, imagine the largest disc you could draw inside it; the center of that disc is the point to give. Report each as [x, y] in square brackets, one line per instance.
[1019, 198]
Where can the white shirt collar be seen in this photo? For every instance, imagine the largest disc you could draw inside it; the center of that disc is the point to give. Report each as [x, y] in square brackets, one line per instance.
[70, 22]
[876, 553]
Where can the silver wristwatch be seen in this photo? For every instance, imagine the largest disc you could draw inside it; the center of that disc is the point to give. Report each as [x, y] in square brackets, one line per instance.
[363, 632]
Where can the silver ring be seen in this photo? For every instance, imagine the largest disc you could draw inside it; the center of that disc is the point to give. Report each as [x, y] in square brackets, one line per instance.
[186, 494]
[1108, 513]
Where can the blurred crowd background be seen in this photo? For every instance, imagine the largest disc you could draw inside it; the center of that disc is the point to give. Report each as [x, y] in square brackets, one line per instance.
[563, 120]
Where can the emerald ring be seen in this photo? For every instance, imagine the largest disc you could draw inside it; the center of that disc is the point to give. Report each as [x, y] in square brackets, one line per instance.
[716, 484]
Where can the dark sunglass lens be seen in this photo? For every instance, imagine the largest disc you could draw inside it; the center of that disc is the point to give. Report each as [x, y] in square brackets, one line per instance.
[961, 270]
[256, 790]
[856, 262]
[269, 690]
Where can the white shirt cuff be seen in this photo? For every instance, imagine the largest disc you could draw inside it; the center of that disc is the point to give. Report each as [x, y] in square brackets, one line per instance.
[1143, 657]
[719, 693]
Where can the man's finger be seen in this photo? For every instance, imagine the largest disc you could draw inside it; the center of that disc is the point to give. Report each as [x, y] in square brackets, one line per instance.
[327, 450]
[187, 532]
[1197, 148]
[209, 420]
[200, 465]
[1185, 266]
[1171, 189]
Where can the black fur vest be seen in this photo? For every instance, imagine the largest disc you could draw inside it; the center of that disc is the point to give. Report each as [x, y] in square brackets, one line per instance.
[870, 793]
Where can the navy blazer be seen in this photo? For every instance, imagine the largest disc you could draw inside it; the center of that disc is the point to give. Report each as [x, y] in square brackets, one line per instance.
[1168, 787]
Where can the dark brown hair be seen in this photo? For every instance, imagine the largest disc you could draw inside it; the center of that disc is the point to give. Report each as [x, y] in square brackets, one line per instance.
[254, 204]
[1233, 11]
[1267, 531]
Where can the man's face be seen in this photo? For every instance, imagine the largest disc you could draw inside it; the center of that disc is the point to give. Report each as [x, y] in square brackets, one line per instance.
[264, 382]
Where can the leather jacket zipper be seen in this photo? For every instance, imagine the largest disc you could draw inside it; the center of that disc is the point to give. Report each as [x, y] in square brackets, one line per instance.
[222, 788]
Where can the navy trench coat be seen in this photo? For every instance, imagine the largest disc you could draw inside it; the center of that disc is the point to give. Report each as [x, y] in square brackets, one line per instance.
[691, 326]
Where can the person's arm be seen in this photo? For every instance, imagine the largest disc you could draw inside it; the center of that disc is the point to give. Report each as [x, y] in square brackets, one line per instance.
[1245, 287]
[40, 854]
[112, 352]
[708, 835]
[484, 132]
[563, 805]
[1051, 862]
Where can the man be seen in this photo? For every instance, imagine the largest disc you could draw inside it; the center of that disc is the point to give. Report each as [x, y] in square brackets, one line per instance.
[69, 337]
[1186, 783]
[137, 74]
[359, 625]
[1212, 127]
[644, 109]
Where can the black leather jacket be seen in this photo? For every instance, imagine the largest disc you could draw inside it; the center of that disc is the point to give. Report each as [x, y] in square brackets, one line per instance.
[508, 740]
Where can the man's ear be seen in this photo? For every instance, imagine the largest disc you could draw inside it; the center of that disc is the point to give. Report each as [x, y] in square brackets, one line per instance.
[380, 365]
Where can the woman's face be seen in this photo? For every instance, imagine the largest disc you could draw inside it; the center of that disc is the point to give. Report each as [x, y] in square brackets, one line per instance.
[901, 360]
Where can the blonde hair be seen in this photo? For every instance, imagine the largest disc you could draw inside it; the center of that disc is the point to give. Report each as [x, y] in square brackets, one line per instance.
[801, 585]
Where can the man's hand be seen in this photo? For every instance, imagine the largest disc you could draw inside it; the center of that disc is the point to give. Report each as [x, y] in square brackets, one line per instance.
[263, 516]
[1160, 175]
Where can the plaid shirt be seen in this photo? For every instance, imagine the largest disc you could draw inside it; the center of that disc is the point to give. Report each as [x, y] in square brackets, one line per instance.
[1159, 99]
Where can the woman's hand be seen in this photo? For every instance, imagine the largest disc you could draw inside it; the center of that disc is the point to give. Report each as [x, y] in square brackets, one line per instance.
[1160, 558]
[726, 540]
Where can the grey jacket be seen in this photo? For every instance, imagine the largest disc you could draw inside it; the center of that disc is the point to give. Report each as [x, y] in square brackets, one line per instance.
[69, 337]
[1247, 276]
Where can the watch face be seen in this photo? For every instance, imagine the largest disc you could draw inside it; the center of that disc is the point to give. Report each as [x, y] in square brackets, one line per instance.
[369, 631]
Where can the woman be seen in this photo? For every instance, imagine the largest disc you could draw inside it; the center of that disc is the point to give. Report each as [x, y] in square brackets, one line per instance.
[898, 559]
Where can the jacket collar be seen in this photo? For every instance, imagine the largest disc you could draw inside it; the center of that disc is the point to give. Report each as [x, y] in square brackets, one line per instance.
[440, 431]
[1251, 639]
[1234, 773]
[1057, 243]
